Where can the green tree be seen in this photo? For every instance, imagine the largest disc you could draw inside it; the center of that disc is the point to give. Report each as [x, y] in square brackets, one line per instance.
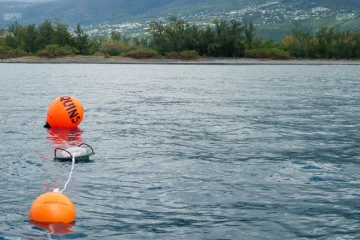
[62, 36]
[225, 40]
[207, 43]
[2, 36]
[237, 38]
[325, 37]
[46, 34]
[126, 39]
[141, 42]
[15, 35]
[115, 36]
[356, 45]
[302, 44]
[176, 36]
[192, 36]
[249, 35]
[176, 33]
[230, 38]
[343, 48]
[159, 37]
[96, 43]
[29, 39]
[221, 36]
[82, 41]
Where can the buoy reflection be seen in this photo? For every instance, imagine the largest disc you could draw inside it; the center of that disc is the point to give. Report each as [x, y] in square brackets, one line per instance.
[63, 137]
[55, 228]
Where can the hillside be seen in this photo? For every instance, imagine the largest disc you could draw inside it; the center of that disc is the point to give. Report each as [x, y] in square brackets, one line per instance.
[272, 18]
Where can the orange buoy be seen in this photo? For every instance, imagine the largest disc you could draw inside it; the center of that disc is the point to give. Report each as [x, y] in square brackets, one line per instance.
[52, 207]
[64, 112]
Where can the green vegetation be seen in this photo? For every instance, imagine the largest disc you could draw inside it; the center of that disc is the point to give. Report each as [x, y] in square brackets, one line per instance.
[235, 39]
[272, 53]
[184, 55]
[177, 39]
[112, 48]
[326, 43]
[226, 39]
[53, 39]
[54, 50]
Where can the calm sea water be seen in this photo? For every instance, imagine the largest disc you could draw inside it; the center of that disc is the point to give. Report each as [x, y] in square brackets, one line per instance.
[186, 152]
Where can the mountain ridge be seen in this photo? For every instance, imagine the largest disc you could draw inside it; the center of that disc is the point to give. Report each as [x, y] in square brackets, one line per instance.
[272, 18]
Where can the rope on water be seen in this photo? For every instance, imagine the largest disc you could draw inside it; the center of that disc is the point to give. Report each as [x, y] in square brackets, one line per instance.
[72, 169]
[72, 166]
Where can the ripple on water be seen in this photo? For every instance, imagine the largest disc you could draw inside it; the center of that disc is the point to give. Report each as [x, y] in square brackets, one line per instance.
[187, 152]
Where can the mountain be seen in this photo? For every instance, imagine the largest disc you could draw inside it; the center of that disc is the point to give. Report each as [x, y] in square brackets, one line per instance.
[272, 18]
[94, 11]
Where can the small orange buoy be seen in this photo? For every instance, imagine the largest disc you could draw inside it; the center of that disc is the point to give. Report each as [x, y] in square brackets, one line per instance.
[64, 112]
[52, 207]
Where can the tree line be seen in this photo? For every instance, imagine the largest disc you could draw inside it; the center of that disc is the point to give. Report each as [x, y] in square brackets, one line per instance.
[177, 38]
[18, 40]
[326, 43]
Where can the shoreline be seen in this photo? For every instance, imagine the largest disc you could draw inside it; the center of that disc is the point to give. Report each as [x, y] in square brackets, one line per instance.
[163, 61]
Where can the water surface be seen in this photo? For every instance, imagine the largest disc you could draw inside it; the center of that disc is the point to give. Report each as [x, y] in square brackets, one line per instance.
[186, 152]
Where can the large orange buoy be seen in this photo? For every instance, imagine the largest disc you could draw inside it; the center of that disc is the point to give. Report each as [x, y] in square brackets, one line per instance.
[52, 207]
[64, 112]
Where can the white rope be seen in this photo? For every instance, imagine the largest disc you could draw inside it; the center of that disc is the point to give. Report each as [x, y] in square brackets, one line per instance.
[72, 169]
[72, 166]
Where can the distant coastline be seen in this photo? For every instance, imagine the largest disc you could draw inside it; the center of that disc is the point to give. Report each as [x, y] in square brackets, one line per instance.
[200, 61]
